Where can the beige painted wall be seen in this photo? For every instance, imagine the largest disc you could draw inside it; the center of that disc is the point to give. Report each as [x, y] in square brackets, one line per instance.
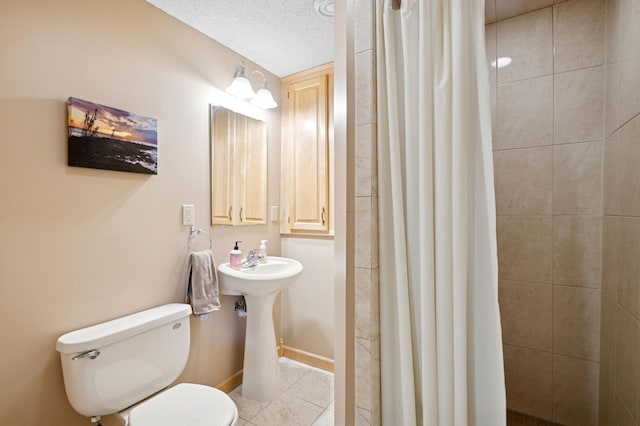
[80, 246]
[307, 310]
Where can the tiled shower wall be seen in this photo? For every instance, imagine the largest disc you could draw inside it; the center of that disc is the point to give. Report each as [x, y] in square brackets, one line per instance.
[367, 345]
[620, 341]
[548, 127]
[548, 131]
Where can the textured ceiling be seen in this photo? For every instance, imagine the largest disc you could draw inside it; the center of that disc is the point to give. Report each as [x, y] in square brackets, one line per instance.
[283, 36]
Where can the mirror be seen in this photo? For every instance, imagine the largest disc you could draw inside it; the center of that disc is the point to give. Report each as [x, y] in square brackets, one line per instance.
[238, 168]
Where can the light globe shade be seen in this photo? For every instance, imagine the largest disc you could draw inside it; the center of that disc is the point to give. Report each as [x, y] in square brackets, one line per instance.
[241, 88]
[264, 99]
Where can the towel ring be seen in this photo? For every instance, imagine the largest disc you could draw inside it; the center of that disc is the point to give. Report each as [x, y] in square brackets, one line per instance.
[194, 233]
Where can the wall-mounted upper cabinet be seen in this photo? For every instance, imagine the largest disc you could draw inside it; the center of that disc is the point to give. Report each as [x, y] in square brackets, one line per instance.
[307, 151]
[238, 169]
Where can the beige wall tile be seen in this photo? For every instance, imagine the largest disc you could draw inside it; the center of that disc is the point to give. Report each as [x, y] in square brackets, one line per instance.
[363, 286]
[621, 177]
[510, 8]
[367, 303]
[629, 90]
[612, 98]
[576, 322]
[375, 379]
[578, 105]
[366, 158]
[528, 381]
[607, 337]
[365, 87]
[525, 113]
[606, 397]
[523, 180]
[364, 417]
[620, 261]
[364, 359]
[525, 310]
[612, 33]
[374, 232]
[489, 11]
[577, 178]
[611, 250]
[490, 45]
[524, 248]
[578, 34]
[527, 40]
[575, 391]
[622, 417]
[375, 303]
[631, 129]
[629, 23]
[626, 66]
[616, 169]
[364, 35]
[366, 232]
[627, 356]
[626, 242]
[577, 249]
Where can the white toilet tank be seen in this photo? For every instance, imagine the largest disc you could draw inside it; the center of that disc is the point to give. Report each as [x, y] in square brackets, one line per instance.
[110, 366]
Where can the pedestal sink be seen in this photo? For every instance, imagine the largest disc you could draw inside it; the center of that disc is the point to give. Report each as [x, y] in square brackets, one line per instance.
[260, 285]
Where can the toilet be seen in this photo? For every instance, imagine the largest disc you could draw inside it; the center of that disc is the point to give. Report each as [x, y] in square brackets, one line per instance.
[121, 367]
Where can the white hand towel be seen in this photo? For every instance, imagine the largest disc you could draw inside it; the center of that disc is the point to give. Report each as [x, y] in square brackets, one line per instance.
[202, 286]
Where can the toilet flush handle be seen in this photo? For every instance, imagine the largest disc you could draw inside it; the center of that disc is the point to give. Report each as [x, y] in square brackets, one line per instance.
[91, 355]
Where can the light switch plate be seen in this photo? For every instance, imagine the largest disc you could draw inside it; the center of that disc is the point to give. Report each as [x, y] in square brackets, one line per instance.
[188, 213]
[275, 213]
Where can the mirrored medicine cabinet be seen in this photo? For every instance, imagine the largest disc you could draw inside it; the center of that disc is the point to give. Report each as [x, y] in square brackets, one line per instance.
[238, 168]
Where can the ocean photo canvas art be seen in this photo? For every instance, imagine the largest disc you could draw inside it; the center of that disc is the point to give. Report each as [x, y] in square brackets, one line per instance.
[101, 137]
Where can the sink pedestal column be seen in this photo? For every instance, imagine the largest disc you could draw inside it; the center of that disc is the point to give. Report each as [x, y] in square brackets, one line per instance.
[261, 371]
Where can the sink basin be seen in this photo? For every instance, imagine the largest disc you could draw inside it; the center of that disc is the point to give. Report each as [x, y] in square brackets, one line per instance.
[265, 278]
[260, 285]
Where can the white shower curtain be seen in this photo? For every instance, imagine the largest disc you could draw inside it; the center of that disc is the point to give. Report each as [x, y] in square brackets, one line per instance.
[441, 346]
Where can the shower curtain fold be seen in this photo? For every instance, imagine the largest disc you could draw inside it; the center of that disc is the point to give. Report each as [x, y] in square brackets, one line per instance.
[441, 349]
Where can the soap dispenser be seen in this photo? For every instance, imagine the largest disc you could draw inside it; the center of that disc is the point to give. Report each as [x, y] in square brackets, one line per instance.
[262, 251]
[235, 257]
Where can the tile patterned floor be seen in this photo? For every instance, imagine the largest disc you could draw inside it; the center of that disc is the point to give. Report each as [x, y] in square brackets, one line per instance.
[307, 399]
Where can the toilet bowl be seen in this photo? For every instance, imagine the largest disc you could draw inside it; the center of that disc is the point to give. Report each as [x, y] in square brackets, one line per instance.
[184, 404]
[123, 367]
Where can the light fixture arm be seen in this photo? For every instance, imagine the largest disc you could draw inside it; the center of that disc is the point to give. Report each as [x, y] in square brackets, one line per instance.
[264, 78]
[241, 88]
[264, 97]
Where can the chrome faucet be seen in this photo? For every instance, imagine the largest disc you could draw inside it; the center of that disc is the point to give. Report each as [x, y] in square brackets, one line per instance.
[252, 260]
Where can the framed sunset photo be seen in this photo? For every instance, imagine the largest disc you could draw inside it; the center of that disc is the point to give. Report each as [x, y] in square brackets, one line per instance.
[102, 137]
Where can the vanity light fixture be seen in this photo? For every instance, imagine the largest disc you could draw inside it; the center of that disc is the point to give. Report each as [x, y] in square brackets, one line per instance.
[241, 88]
[263, 98]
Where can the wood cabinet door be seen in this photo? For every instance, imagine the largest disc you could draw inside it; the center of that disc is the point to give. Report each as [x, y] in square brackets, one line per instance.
[223, 165]
[252, 150]
[308, 122]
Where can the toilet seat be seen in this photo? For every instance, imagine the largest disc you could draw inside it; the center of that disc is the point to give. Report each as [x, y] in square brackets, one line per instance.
[186, 404]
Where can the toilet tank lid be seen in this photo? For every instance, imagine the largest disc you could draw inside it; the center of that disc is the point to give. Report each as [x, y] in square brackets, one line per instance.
[105, 333]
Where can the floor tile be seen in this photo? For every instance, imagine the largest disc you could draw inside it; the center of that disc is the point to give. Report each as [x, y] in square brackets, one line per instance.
[306, 400]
